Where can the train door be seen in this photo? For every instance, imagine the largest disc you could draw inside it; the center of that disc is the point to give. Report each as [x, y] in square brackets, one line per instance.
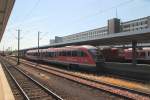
[147, 57]
[141, 55]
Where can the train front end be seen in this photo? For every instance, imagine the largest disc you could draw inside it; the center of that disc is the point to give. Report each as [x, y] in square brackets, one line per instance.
[98, 58]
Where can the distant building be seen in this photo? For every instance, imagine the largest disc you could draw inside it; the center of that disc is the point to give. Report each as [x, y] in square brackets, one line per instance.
[138, 24]
[52, 41]
[90, 34]
[114, 26]
[58, 39]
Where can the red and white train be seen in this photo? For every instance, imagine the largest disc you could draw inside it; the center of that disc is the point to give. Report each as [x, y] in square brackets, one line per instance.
[85, 56]
[117, 54]
[142, 55]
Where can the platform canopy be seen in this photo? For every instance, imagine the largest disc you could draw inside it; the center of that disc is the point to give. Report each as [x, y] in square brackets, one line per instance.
[5, 10]
[122, 38]
[140, 36]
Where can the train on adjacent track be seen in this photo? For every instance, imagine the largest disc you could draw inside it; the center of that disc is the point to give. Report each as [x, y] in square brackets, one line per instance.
[125, 55]
[71, 56]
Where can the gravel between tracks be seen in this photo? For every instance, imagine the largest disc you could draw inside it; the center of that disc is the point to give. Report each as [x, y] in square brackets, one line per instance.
[44, 75]
[68, 89]
[34, 90]
[132, 84]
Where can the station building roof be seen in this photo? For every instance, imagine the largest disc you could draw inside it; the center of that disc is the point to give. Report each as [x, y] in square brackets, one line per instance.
[5, 10]
[140, 36]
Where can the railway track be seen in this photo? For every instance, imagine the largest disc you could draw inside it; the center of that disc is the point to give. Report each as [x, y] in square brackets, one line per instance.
[30, 88]
[112, 89]
[18, 95]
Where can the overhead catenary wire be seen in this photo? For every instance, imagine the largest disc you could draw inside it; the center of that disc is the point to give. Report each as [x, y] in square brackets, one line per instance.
[80, 19]
[106, 10]
[32, 9]
[98, 13]
[28, 13]
[24, 18]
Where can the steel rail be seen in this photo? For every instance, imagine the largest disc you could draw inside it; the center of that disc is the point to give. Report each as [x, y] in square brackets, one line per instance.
[36, 82]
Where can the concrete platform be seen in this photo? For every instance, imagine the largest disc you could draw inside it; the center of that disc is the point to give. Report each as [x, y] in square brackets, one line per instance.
[5, 90]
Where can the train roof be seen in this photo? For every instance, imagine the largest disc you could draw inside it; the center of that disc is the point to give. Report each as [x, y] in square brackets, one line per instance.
[89, 47]
[61, 48]
[79, 47]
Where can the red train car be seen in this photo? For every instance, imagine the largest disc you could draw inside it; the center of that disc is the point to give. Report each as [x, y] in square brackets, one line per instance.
[85, 56]
[113, 54]
[123, 55]
[141, 55]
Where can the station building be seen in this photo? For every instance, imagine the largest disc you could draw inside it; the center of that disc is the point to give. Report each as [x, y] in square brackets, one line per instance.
[114, 26]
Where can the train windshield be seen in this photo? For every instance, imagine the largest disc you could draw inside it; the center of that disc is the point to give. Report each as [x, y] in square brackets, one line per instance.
[96, 53]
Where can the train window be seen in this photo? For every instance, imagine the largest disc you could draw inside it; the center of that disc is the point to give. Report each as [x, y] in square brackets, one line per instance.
[68, 53]
[54, 54]
[148, 53]
[141, 54]
[57, 53]
[63, 53]
[60, 53]
[93, 51]
[37, 54]
[74, 53]
[43, 54]
[49, 54]
[97, 52]
[46, 54]
[81, 54]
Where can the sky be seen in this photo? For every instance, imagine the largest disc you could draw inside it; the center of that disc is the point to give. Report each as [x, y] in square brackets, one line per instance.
[64, 17]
